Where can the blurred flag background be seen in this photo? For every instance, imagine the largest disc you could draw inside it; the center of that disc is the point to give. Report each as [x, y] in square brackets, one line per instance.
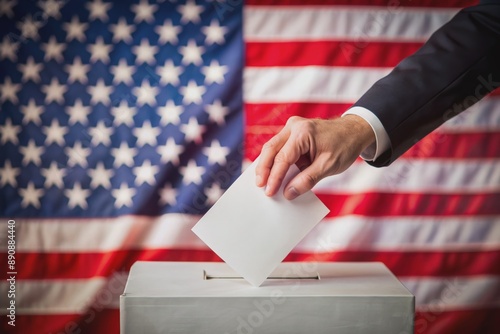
[122, 122]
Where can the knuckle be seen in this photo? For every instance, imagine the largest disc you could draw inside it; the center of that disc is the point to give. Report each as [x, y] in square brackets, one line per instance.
[309, 180]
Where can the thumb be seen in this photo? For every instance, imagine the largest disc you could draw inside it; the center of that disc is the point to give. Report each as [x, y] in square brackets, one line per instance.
[303, 182]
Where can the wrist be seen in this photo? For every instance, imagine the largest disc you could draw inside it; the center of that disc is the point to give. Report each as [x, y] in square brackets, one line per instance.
[361, 130]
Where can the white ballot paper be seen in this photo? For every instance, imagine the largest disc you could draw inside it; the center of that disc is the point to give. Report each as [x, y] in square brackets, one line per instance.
[252, 232]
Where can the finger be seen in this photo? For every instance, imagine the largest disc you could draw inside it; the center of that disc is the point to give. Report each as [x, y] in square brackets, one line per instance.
[267, 155]
[304, 181]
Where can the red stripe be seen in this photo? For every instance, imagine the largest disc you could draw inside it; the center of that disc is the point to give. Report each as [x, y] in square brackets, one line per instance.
[328, 53]
[382, 3]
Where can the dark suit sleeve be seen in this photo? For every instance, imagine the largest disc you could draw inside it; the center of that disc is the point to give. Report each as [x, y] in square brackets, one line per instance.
[454, 69]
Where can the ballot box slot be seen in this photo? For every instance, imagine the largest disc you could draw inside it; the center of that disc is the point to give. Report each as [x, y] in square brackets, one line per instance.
[207, 276]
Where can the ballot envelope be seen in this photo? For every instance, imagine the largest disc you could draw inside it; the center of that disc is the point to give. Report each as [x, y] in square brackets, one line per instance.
[298, 297]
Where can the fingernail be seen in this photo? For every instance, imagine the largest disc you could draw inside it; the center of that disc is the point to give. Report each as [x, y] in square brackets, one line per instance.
[292, 193]
[258, 180]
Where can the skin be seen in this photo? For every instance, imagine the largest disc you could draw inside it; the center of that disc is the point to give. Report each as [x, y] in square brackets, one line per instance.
[319, 148]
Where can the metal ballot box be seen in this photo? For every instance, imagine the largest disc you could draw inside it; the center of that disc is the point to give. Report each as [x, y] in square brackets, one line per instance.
[298, 297]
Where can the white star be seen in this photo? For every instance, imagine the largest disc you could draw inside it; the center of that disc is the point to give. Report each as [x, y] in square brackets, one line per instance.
[144, 11]
[146, 134]
[191, 53]
[9, 132]
[29, 27]
[214, 73]
[77, 71]
[123, 114]
[31, 153]
[214, 32]
[100, 93]
[100, 176]
[98, 10]
[53, 50]
[168, 32]
[169, 73]
[190, 12]
[77, 196]
[8, 91]
[124, 155]
[78, 113]
[51, 8]
[30, 70]
[6, 7]
[145, 94]
[75, 29]
[216, 154]
[100, 134]
[8, 174]
[214, 192]
[217, 112]
[170, 152]
[77, 155]
[192, 173]
[53, 176]
[145, 52]
[30, 195]
[170, 113]
[122, 31]
[32, 113]
[8, 49]
[54, 92]
[123, 196]
[145, 173]
[192, 93]
[193, 131]
[99, 51]
[122, 72]
[55, 133]
[168, 195]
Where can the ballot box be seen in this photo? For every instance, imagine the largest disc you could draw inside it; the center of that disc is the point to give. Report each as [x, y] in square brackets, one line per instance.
[298, 297]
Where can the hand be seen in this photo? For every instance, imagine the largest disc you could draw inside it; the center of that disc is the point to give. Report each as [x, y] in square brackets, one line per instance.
[319, 148]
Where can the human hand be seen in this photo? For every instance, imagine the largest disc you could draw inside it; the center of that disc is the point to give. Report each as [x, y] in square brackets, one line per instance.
[319, 148]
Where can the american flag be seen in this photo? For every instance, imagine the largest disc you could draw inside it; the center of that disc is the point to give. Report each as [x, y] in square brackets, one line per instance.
[122, 122]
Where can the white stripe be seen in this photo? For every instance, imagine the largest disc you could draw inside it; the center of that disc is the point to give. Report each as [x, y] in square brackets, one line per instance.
[482, 116]
[342, 23]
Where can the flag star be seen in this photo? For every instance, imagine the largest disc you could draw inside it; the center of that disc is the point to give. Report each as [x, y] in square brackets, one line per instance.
[31, 153]
[54, 92]
[192, 93]
[100, 93]
[123, 155]
[168, 32]
[122, 31]
[191, 53]
[122, 72]
[144, 11]
[192, 173]
[170, 152]
[169, 73]
[8, 49]
[123, 114]
[77, 71]
[75, 29]
[55, 133]
[145, 53]
[6, 7]
[8, 174]
[216, 154]
[31, 196]
[51, 8]
[98, 10]
[193, 131]
[145, 173]
[78, 113]
[30, 70]
[168, 195]
[77, 155]
[29, 27]
[100, 176]
[170, 113]
[99, 51]
[77, 196]
[32, 113]
[100, 134]
[146, 134]
[8, 91]
[53, 50]
[213, 193]
[190, 12]
[217, 112]
[53, 176]
[214, 33]
[9, 132]
[214, 73]
[145, 94]
[123, 196]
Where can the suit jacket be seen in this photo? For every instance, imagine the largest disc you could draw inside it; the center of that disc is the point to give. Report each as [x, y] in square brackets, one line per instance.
[455, 68]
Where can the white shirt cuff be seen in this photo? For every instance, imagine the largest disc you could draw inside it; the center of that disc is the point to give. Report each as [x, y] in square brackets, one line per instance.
[382, 141]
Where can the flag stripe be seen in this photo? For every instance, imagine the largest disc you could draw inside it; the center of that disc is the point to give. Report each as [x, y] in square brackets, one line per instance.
[382, 3]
